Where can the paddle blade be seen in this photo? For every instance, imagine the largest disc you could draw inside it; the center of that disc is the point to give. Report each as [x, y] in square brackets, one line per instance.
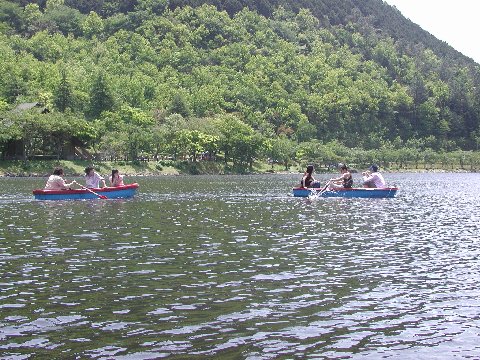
[313, 196]
[103, 197]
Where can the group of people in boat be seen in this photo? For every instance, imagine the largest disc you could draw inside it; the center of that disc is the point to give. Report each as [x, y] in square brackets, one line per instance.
[92, 179]
[371, 178]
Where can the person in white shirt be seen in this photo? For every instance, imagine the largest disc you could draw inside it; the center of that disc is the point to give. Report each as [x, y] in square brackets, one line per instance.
[57, 182]
[373, 179]
[92, 178]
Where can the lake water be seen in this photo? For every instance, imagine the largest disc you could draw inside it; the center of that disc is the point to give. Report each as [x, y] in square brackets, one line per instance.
[234, 267]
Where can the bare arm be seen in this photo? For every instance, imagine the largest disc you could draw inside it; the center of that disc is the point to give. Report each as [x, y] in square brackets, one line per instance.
[67, 185]
[339, 179]
[367, 177]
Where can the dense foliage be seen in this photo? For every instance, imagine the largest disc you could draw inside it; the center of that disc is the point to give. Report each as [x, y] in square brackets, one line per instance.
[232, 81]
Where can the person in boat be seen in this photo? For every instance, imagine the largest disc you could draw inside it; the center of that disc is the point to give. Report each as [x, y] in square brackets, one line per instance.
[372, 178]
[116, 179]
[345, 180]
[93, 179]
[57, 182]
[308, 181]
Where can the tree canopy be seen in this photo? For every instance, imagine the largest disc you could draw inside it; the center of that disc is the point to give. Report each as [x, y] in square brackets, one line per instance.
[246, 78]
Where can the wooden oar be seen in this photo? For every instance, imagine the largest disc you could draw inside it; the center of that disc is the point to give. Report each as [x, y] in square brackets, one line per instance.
[93, 192]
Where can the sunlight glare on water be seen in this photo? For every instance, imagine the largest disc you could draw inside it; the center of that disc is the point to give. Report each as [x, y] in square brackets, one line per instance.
[235, 267]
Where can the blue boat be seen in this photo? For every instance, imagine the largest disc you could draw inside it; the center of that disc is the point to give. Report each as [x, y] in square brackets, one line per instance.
[118, 192]
[347, 193]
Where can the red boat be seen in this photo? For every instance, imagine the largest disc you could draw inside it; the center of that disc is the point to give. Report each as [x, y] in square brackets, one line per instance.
[117, 192]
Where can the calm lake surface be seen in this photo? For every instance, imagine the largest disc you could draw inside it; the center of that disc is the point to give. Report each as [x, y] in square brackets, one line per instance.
[234, 267]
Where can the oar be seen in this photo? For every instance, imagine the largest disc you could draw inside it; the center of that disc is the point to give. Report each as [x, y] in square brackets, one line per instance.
[93, 192]
[324, 188]
[317, 194]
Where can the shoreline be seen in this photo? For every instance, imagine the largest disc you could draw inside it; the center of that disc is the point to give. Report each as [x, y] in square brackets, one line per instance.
[75, 168]
[159, 174]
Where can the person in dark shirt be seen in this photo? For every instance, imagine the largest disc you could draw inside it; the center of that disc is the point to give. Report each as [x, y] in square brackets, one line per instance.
[345, 180]
[308, 181]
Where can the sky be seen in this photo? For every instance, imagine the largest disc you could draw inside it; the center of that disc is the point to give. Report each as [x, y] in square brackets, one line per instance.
[453, 21]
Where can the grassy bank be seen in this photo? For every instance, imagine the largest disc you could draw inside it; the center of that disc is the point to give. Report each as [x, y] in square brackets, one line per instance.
[152, 168]
[76, 168]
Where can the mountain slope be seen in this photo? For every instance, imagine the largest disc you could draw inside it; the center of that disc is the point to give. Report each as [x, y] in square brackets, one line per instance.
[326, 73]
[383, 17]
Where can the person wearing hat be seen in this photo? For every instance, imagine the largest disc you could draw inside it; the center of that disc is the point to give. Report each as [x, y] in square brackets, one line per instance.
[372, 178]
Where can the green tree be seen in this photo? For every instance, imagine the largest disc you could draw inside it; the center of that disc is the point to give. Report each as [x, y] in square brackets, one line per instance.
[239, 141]
[157, 7]
[3, 106]
[101, 97]
[283, 151]
[32, 16]
[63, 95]
[64, 19]
[179, 106]
[11, 17]
[125, 134]
[190, 143]
[305, 131]
[92, 25]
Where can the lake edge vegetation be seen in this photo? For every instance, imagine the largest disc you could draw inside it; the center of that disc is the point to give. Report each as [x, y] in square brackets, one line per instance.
[231, 87]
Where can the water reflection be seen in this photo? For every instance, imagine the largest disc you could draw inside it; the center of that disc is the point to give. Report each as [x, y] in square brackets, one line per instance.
[229, 267]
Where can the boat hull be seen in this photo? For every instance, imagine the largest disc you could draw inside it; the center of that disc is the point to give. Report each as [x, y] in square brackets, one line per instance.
[120, 192]
[347, 193]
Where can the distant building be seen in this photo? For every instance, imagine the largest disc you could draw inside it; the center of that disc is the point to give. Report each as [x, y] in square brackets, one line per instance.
[15, 149]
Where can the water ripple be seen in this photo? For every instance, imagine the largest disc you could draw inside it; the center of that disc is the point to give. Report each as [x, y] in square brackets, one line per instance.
[235, 267]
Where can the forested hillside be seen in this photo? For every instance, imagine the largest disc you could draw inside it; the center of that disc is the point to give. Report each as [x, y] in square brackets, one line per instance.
[235, 80]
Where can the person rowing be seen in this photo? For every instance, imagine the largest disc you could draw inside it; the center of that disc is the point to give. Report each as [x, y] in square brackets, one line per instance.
[345, 180]
[57, 182]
